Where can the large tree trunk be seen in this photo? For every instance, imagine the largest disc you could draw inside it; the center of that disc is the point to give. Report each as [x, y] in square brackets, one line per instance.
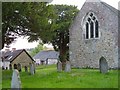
[63, 60]
[63, 50]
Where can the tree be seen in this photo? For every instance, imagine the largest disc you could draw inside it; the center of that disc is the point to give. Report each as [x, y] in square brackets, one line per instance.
[65, 15]
[23, 18]
[40, 21]
[58, 35]
[36, 50]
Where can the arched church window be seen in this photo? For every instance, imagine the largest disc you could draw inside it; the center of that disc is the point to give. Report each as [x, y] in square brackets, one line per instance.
[92, 29]
[87, 30]
[91, 26]
[96, 28]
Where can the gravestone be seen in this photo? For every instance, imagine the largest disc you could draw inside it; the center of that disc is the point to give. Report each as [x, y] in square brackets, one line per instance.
[26, 69]
[10, 67]
[32, 69]
[67, 66]
[59, 66]
[3, 68]
[19, 67]
[103, 65]
[6, 68]
[15, 82]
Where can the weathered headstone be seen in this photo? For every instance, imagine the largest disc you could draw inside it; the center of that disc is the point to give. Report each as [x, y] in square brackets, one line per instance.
[3, 68]
[15, 82]
[6, 68]
[32, 69]
[10, 67]
[59, 66]
[26, 69]
[103, 65]
[42, 62]
[19, 67]
[67, 66]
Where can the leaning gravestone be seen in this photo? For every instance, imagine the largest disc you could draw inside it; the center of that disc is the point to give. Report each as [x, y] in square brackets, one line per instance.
[59, 66]
[26, 69]
[32, 69]
[67, 66]
[10, 67]
[103, 65]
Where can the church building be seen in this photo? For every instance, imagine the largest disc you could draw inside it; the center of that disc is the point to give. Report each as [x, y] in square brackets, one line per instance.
[94, 36]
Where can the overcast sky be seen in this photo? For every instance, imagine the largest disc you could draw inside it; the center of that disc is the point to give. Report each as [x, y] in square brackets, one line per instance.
[79, 3]
[23, 43]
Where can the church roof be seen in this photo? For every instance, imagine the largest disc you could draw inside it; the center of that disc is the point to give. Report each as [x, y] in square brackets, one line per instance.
[111, 8]
[116, 11]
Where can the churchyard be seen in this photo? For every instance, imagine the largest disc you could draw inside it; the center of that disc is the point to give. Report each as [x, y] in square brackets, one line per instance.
[88, 39]
[46, 76]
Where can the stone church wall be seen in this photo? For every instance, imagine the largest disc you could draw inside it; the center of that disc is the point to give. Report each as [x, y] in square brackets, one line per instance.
[87, 53]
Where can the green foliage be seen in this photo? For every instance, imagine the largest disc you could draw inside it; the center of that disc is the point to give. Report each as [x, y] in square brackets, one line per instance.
[25, 18]
[40, 21]
[36, 50]
[47, 77]
[65, 16]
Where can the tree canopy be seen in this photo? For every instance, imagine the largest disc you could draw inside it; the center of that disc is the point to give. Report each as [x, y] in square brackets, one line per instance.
[36, 50]
[39, 21]
[23, 18]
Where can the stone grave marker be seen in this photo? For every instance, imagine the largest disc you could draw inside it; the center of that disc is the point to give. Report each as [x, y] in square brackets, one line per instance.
[59, 66]
[67, 66]
[103, 65]
[26, 69]
[32, 69]
[10, 67]
[15, 82]
[19, 67]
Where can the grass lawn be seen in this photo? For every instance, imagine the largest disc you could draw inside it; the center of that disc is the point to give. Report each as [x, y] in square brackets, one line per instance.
[48, 77]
